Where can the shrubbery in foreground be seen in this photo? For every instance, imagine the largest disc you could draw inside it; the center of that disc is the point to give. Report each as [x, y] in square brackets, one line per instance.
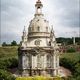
[38, 78]
[5, 75]
[6, 64]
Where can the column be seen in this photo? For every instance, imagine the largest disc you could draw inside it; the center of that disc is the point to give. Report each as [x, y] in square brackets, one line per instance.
[23, 60]
[55, 65]
[34, 62]
[58, 64]
[45, 61]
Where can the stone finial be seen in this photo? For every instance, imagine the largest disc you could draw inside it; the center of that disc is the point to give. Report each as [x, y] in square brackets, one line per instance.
[38, 1]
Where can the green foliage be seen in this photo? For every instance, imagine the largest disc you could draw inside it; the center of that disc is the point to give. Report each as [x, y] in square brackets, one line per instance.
[38, 78]
[13, 43]
[72, 62]
[68, 41]
[77, 69]
[77, 40]
[8, 60]
[8, 63]
[4, 75]
[4, 44]
[8, 52]
[71, 50]
[71, 56]
[12, 63]
[67, 63]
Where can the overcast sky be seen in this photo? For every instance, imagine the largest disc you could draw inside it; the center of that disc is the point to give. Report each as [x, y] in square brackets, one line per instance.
[62, 14]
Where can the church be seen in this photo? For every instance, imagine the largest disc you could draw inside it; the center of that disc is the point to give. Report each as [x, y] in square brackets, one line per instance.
[38, 53]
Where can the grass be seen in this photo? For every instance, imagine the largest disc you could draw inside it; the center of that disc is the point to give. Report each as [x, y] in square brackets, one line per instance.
[8, 52]
[72, 56]
[11, 51]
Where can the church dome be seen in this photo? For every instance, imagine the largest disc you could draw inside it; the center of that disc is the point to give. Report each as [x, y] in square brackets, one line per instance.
[39, 27]
[38, 24]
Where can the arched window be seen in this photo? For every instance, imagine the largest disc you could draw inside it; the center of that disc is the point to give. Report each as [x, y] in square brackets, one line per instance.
[38, 28]
[39, 61]
[46, 29]
[48, 61]
[30, 29]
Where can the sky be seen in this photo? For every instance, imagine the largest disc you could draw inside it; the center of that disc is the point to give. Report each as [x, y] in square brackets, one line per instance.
[15, 14]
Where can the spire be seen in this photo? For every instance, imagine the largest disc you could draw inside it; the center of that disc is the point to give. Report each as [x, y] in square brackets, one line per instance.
[24, 36]
[52, 33]
[38, 6]
[24, 31]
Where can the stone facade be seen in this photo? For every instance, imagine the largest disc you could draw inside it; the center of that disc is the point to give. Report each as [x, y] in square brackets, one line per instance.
[38, 53]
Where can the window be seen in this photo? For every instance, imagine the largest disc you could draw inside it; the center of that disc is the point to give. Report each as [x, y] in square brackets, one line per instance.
[39, 61]
[46, 29]
[38, 28]
[32, 28]
[37, 42]
[29, 28]
[37, 20]
[44, 20]
[48, 61]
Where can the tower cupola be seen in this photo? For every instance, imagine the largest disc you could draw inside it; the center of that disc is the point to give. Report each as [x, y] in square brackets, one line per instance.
[38, 6]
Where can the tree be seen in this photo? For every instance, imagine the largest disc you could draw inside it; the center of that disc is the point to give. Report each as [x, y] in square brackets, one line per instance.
[4, 44]
[13, 43]
[67, 63]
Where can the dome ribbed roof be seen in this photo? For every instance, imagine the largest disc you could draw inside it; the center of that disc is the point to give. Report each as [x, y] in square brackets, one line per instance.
[39, 22]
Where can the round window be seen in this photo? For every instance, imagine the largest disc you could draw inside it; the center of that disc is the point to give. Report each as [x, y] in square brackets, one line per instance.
[37, 42]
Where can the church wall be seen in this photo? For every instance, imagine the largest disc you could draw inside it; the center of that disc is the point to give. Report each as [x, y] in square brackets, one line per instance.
[43, 42]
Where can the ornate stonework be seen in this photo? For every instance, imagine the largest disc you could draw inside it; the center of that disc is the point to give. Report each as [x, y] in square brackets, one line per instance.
[38, 53]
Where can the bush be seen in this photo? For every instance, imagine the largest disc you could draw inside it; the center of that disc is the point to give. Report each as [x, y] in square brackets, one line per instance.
[38, 78]
[67, 63]
[4, 75]
[4, 65]
[71, 50]
[12, 63]
[73, 66]
[8, 63]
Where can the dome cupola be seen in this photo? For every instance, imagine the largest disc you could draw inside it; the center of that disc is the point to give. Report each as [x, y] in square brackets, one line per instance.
[39, 26]
[38, 6]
